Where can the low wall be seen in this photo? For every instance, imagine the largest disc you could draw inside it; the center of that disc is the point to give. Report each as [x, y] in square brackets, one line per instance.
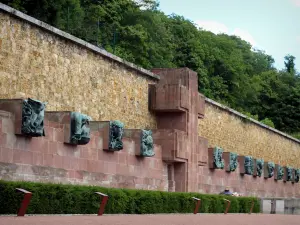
[280, 206]
[48, 159]
[214, 181]
[233, 132]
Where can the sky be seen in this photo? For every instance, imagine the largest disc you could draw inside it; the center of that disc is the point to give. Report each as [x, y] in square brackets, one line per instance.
[269, 25]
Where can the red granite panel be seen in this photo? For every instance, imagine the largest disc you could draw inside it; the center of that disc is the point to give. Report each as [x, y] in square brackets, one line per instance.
[38, 145]
[24, 157]
[49, 133]
[6, 155]
[48, 160]
[52, 147]
[38, 158]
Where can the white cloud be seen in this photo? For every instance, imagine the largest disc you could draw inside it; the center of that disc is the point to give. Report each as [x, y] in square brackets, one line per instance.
[296, 2]
[212, 26]
[218, 28]
[245, 35]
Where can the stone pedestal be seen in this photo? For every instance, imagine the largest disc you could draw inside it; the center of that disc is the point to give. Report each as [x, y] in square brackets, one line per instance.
[241, 160]
[286, 177]
[66, 119]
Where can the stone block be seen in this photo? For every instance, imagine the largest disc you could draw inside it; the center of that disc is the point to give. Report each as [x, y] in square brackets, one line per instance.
[279, 206]
[269, 168]
[258, 167]
[76, 130]
[112, 133]
[231, 161]
[28, 116]
[278, 172]
[202, 151]
[143, 140]
[296, 175]
[21, 156]
[63, 118]
[6, 155]
[215, 158]
[241, 160]
[289, 174]
[169, 98]
[173, 144]
[201, 106]
[14, 106]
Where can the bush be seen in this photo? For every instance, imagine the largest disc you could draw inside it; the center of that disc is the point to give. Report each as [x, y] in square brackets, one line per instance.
[76, 199]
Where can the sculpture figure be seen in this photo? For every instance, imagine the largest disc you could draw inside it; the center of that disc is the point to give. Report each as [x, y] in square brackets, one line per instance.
[259, 166]
[297, 175]
[248, 165]
[116, 135]
[289, 171]
[33, 113]
[233, 162]
[271, 168]
[218, 159]
[80, 132]
[147, 148]
[280, 172]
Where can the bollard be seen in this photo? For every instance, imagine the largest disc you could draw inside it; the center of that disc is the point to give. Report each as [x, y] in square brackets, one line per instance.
[25, 202]
[228, 205]
[198, 202]
[252, 205]
[103, 202]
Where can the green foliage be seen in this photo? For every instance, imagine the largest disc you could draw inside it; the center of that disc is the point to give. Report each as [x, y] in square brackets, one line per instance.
[229, 70]
[268, 122]
[296, 135]
[76, 199]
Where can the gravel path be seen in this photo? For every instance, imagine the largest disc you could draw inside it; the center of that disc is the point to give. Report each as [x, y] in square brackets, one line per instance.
[177, 219]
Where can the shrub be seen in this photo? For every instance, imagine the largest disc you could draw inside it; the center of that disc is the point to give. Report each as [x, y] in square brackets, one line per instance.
[76, 199]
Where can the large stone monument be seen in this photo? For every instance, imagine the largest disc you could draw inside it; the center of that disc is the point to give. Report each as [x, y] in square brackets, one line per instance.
[177, 104]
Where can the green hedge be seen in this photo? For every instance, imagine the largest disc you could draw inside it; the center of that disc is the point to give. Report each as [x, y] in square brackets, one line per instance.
[76, 199]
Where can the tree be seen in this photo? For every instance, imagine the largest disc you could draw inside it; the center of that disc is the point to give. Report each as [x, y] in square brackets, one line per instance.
[289, 64]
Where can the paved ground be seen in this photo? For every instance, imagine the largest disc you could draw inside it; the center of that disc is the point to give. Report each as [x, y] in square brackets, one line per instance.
[177, 219]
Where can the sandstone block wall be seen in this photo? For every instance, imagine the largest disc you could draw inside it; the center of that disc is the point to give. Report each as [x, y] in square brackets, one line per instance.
[39, 64]
[48, 159]
[235, 134]
[215, 181]
[72, 75]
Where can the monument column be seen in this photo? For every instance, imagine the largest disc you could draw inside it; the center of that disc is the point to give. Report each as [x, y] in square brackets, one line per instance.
[178, 105]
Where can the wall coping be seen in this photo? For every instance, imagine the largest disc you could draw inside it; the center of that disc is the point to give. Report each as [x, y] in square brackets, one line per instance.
[76, 40]
[238, 114]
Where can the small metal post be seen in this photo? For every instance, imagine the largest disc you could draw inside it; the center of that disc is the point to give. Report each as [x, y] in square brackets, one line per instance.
[228, 205]
[25, 202]
[198, 202]
[103, 202]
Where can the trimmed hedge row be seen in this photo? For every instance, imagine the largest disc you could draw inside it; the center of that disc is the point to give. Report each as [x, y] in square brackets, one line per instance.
[76, 199]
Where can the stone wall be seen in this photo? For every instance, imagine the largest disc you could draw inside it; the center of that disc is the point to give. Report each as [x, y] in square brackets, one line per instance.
[214, 182]
[230, 130]
[39, 61]
[70, 74]
[48, 159]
